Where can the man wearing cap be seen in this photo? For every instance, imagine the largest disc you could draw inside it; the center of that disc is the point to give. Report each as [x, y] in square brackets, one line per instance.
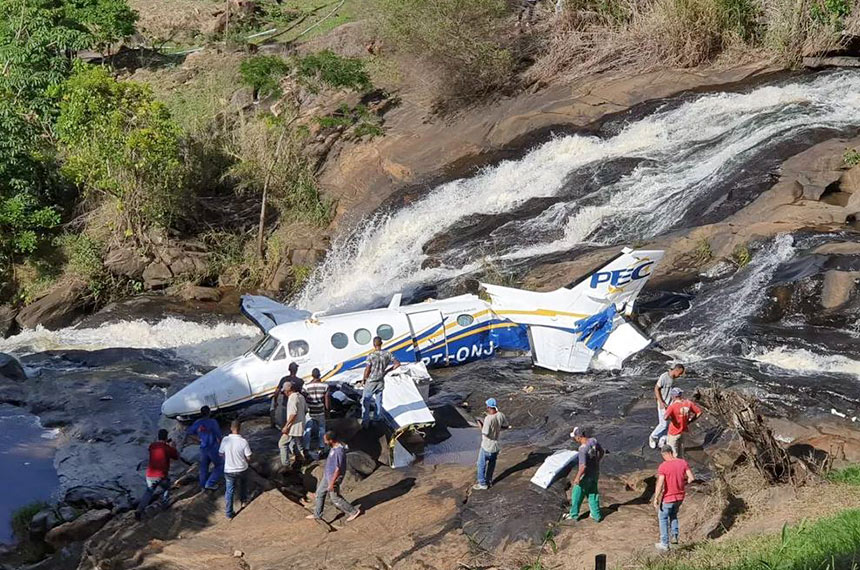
[680, 414]
[673, 475]
[664, 385]
[489, 452]
[585, 480]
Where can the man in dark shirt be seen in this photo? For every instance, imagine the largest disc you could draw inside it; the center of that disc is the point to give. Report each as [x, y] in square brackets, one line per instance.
[335, 468]
[585, 481]
[278, 405]
[157, 472]
[318, 400]
[208, 432]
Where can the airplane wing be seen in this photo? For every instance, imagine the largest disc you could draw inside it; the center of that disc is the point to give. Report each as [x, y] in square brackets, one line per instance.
[574, 328]
[266, 313]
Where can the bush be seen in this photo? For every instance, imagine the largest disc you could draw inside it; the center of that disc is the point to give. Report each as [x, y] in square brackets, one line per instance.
[263, 73]
[85, 258]
[22, 516]
[122, 146]
[851, 157]
[465, 39]
[331, 69]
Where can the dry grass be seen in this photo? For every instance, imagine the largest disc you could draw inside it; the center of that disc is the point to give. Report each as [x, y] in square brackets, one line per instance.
[594, 36]
[176, 21]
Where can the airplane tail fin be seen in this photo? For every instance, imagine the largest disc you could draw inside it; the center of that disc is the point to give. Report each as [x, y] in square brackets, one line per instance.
[572, 327]
[618, 282]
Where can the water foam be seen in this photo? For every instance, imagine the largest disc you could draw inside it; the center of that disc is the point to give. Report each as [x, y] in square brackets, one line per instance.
[802, 360]
[689, 149]
[199, 343]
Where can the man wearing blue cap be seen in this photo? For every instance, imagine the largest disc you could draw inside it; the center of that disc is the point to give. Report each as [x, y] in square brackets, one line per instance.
[491, 427]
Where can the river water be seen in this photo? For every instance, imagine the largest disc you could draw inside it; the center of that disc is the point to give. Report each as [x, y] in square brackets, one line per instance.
[695, 159]
[26, 464]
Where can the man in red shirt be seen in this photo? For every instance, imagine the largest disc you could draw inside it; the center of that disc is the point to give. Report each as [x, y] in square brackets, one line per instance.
[673, 475]
[157, 472]
[680, 414]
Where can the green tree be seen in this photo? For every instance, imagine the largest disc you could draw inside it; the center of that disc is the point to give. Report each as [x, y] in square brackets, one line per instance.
[123, 149]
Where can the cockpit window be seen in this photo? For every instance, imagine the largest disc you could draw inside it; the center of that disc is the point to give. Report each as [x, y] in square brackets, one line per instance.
[298, 348]
[266, 347]
[281, 354]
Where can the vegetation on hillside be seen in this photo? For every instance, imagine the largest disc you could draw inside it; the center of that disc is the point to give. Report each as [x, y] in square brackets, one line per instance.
[831, 543]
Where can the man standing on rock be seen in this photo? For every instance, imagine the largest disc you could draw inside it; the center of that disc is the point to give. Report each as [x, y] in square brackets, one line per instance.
[587, 474]
[661, 393]
[673, 475]
[277, 407]
[680, 414]
[235, 451]
[292, 434]
[329, 485]
[378, 364]
[157, 472]
[319, 403]
[209, 433]
[491, 427]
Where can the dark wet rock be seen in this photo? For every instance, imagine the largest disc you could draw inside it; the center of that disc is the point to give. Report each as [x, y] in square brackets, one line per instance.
[42, 522]
[79, 529]
[7, 320]
[360, 464]
[126, 262]
[91, 497]
[60, 308]
[833, 61]
[67, 513]
[486, 516]
[11, 369]
[157, 275]
[122, 504]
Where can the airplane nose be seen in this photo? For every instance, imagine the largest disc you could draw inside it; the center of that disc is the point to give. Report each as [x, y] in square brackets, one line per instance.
[174, 406]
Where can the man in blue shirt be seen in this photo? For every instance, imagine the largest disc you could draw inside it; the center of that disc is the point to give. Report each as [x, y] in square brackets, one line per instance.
[335, 468]
[208, 432]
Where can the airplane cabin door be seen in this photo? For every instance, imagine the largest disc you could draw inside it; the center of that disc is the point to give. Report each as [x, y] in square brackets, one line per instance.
[428, 337]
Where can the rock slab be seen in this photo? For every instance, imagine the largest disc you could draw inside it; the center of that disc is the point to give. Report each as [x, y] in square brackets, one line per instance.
[79, 529]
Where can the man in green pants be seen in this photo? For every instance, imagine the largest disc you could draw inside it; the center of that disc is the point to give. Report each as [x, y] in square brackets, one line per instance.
[585, 481]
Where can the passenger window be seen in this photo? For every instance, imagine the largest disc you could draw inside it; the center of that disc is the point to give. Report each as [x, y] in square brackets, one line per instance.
[362, 336]
[385, 332]
[465, 320]
[282, 354]
[339, 340]
[298, 348]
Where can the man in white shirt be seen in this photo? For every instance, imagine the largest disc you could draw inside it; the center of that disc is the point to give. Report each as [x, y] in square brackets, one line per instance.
[292, 434]
[235, 453]
[661, 393]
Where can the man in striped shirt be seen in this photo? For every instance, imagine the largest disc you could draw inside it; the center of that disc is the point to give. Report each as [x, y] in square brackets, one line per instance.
[319, 403]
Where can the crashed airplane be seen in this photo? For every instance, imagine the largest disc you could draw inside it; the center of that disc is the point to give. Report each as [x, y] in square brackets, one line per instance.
[571, 329]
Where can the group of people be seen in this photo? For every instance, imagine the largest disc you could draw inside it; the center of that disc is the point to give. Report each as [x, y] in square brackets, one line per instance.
[299, 410]
[675, 414]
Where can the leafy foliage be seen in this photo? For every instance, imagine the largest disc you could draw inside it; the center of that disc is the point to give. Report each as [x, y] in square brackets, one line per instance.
[831, 12]
[851, 157]
[331, 69]
[122, 145]
[263, 73]
[22, 516]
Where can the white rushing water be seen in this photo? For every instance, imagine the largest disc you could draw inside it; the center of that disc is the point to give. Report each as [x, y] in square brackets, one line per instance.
[198, 343]
[687, 150]
[803, 360]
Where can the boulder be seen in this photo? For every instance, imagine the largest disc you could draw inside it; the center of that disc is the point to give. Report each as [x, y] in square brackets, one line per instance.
[282, 278]
[156, 275]
[42, 522]
[837, 288]
[79, 529]
[306, 257]
[7, 320]
[10, 368]
[360, 464]
[850, 180]
[67, 513]
[91, 497]
[242, 98]
[61, 307]
[197, 293]
[126, 262]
